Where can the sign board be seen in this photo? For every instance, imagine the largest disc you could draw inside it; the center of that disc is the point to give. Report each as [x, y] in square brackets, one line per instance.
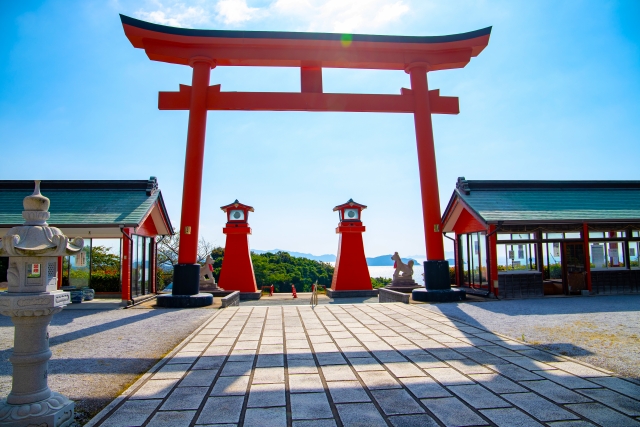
[511, 254]
[33, 271]
[597, 255]
[556, 249]
[81, 259]
[615, 258]
[521, 251]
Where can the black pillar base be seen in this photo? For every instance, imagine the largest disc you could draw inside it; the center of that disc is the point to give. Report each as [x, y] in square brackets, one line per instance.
[446, 295]
[184, 301]
[186, 279]
[436, 275]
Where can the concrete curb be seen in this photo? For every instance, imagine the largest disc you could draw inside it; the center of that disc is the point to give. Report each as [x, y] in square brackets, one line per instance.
[388, 295]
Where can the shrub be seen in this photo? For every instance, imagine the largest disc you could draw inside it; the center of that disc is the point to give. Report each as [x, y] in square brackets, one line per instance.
[101, 282]
[379, 282]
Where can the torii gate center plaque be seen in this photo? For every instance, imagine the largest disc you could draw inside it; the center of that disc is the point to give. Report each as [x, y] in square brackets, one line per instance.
[204, 50]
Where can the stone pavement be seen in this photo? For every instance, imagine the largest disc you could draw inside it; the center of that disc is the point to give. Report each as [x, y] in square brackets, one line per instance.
[365, 365]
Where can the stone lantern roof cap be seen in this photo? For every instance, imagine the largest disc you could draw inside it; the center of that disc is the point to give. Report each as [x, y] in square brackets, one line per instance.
[350, 204]
[35, 237]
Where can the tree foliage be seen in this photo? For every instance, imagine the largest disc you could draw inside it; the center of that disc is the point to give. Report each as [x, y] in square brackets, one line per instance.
[379, 282]
[167, 256]
[282, 270]
[103, 261]
[168, 246]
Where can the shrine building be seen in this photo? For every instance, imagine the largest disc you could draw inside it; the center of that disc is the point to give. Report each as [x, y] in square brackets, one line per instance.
[127, 217]
[520, 239]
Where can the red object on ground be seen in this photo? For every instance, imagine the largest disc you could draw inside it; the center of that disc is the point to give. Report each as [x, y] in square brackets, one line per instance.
[237, 270]
[351, 272]
[271, 289]
[311, 52]
[293, 291]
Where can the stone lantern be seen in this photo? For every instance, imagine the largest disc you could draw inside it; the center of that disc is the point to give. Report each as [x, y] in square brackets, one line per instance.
[31, 301]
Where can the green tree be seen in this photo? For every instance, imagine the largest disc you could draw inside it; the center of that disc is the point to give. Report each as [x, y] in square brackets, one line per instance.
[167, 257]
[379, 282]
[105, 270]
[282, 270]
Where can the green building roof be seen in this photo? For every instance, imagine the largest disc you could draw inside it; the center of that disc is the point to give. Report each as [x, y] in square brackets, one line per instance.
[85, 203]
[550, 201]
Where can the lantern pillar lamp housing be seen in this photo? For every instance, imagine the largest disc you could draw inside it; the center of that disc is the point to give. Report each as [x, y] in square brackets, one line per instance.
[351, 275]
[236, 273]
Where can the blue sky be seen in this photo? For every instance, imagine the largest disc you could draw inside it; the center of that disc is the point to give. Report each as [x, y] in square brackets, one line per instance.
[556, 95]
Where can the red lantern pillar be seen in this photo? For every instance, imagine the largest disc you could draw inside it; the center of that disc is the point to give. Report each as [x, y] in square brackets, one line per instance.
[351, 275]
[237, 273]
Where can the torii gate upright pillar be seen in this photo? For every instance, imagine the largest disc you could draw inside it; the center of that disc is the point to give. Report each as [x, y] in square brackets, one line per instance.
[186, 274]
[426, 162]
[436, 268]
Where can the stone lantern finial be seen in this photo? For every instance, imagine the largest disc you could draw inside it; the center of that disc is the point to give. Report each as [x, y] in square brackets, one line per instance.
[36, 208]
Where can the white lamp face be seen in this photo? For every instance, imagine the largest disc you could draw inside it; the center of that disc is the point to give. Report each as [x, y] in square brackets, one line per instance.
[236, 215]
[351, 214]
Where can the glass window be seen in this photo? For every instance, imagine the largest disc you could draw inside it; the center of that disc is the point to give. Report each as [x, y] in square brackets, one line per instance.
[596, 234]
[635, 233]
[473, 249]
[464, 252]
[634, 248]
[552, 258]
[516, 236]
[522, 236]
[140, 265]
[573, 235]
[135, 266]
[553, 236]
[79, 266]
[147, 265]
[517, 256]
[607, 254]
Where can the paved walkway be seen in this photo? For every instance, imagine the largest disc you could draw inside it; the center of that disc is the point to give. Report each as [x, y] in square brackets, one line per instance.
[365, 365]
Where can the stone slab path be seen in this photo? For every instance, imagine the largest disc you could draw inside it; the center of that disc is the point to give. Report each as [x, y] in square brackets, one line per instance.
[365, 365]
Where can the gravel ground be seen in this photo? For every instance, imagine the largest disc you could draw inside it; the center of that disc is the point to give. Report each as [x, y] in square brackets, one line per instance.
[601, 330]
[97, 354]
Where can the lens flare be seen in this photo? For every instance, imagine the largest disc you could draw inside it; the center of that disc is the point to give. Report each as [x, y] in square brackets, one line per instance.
[346, 39]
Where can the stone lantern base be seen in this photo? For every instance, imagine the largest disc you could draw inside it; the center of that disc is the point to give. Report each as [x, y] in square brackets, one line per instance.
[56, 411]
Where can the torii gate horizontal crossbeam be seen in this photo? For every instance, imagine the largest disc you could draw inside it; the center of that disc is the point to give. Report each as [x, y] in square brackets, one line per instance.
[283, 101]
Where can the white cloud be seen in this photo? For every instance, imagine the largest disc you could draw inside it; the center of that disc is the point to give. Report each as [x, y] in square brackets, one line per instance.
[341, 15]
[344, 16]
[175, 14]
[233, 12]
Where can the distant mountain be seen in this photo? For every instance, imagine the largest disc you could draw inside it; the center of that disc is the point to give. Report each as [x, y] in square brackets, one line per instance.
[385, 261]
[448, 255]
[379, 261]
[323, 258]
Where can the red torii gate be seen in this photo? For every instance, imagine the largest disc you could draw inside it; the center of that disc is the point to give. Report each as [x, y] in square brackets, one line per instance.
[207, 49]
